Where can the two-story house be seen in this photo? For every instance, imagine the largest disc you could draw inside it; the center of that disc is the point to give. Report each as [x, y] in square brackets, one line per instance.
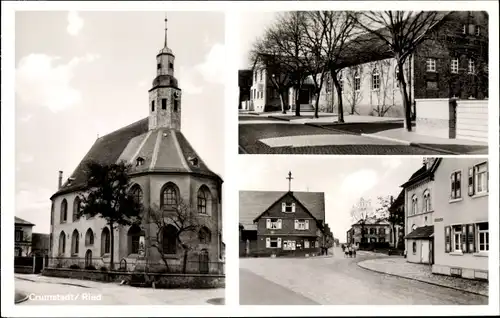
[23, 237]
[282, 223]
[419, 208]
[461, 218]
[371, 230]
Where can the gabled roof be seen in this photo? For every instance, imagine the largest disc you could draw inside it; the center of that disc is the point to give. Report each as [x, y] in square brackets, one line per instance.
[424, 232]
[253, 203]
[422, 173]
[281, 198]
[164, 150]
[21, 221]
[372, 221]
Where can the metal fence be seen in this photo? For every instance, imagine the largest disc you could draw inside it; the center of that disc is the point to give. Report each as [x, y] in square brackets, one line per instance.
[191, 267]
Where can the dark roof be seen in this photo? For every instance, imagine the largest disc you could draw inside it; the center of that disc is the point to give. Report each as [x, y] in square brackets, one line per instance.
[422, 173]
[423, 232]
[400, 200]
[373, 221]
[253, 203]
[168, 148]
[279, 199]
[21, 221]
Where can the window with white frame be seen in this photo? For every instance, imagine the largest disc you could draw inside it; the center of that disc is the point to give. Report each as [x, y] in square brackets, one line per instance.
[414, 204]
[306, 244]
[288, 207]
[430, 65]
[427, 201]
[457, 238]
[375, 80]
[357, 81]
[273, 224]
[481, 178]
[456, 185]
[414, 247]
[472, 67]
[483, 237]
[273, 242]
[454, 66]
[478, 30]
[301, 224]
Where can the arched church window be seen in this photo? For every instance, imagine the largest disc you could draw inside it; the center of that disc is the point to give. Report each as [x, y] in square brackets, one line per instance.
[62, 243]
[75, 243]
[169, 196]
[77, 206]
[204, 235]
[64, 211]
[152, 105]
[89, 237]
[136, 193]
[204, 200]
[134, 233]
[105, 241]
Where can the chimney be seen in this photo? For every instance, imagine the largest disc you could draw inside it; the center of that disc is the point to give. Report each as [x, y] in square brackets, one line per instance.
[60, 179]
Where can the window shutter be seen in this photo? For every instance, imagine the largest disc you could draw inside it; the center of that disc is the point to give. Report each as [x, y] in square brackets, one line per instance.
[283, 207]
[293, 207]
[471, 181]
[268, 242]
[307, 224]
[296, 224]
[459, 184]
[487, 176]
[463, 238]
[447, 243]
[279, 224]
[472, 233]
[279, 242]
[452, 181]
[268, 223]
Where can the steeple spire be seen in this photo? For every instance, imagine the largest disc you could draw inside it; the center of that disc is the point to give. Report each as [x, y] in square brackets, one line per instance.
[166, 28]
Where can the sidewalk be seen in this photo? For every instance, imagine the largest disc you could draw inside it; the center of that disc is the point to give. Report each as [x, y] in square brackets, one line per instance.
[420, 272]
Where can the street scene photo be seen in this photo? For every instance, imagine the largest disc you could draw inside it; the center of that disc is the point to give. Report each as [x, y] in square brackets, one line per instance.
[322, 230]
[118, 196]
[363, 82]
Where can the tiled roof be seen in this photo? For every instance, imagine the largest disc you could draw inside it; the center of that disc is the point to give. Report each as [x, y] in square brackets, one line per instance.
[21, 221]
[421, 232]
[422, 173]
[253, 203]
[163, 150]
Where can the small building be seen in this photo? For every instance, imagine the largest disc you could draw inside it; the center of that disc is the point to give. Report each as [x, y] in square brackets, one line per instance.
[419, 208]
[372, 230]
[461, 224]
[23, 237]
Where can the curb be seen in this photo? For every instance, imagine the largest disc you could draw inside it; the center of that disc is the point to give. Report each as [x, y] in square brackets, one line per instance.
[407, 143]
[279, 118]
[413, 144]
[332, 129]
[419, 280]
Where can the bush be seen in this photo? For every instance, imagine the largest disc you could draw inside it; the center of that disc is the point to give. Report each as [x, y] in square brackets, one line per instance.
[90, 267]
[74, 266]
[104, 269]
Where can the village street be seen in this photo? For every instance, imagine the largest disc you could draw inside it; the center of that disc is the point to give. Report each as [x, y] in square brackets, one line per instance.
[273, 133]
[82, 292]
[337, 281]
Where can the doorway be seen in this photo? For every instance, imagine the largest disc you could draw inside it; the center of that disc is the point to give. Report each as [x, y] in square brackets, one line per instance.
[204, 262]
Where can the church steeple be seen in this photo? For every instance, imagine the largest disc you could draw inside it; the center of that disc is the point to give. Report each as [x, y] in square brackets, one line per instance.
[165, 95]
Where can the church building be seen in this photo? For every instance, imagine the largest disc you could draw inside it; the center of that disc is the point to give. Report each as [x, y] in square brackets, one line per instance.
[276, 223]
[166, 171]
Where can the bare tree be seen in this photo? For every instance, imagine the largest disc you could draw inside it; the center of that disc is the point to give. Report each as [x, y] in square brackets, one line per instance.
[401, 32]
[354, 77]
[187, 234]
[360, 213]
[383, 70]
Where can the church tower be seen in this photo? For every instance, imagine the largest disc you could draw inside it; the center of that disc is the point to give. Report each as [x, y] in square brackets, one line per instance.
[165, 95]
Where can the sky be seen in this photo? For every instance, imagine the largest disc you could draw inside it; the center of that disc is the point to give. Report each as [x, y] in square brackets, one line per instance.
[84, 74]
[251, 26]
[344, 180]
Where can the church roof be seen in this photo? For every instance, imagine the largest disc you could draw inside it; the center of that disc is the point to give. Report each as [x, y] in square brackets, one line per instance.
[253, 203]
[162, 150]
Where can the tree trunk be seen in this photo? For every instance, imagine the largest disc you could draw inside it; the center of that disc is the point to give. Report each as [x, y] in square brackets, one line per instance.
[184, 265]
[404, 95]
[340, 110]
[296, 97]
[316, 104]
[112, 247]
[283, 103]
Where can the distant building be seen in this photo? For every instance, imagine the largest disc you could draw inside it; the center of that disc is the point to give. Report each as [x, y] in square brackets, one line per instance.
[41, 244]
[283, 223]
[244, 84]
[23, 237]
[398, 208]
[375, 231]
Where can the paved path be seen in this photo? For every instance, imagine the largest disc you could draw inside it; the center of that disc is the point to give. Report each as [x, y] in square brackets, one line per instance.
[339, 281]
[78, 292]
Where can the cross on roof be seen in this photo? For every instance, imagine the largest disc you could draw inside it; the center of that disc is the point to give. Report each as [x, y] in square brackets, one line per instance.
[289, 181]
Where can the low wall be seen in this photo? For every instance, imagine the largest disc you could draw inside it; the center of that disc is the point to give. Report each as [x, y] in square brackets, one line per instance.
[194, 281]
[23, 269]
[435, 117]
[472, 120]
[468, 273]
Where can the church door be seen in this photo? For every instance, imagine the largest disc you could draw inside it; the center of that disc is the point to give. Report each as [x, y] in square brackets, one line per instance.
[204, 262]
[88, 258]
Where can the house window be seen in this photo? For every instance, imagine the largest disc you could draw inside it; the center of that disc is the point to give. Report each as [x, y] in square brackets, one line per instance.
[456, 185]
[414, 204]
[472, 67]
[457, 238]
[19, 236]
[273, 224]
[375, 80]
[288, 207]
[306, 244]
[454, 66]
[427, 201]
[478, 30]
[430, 65]
[373, 239]
[357, 82]
[381, 231]
[273, 243]
[301, 224]
[382, 239]
[483, 237]
[163, 103]
[152, 105]
[414, 247]
[481, 178]
[372, 232]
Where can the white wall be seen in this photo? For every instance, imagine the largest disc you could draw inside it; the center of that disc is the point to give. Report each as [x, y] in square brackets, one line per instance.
[472, 120]
[433, 116]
